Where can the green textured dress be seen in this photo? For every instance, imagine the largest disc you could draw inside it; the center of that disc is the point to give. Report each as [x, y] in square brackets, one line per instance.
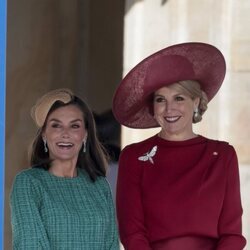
[50, 212]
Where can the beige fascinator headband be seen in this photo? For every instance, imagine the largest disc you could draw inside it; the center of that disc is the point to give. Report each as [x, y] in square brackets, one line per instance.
[41, 109]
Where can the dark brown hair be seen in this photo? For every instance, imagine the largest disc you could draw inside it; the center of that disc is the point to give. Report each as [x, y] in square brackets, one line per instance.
[94, 160]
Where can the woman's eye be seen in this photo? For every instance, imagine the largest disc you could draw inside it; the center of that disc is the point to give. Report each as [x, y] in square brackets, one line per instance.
[75, 126]
[159, 99]
[55, 125]
[179, 98]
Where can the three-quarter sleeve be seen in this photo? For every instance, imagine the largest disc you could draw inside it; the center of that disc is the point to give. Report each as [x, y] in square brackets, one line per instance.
[229, 225]
[27, 227]
[130, 214]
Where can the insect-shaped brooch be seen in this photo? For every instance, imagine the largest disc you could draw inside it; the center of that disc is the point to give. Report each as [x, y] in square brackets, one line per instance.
[149, 155]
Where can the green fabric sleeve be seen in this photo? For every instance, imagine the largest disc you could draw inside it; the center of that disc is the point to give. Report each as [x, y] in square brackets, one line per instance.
[27, 227]
[113, 242]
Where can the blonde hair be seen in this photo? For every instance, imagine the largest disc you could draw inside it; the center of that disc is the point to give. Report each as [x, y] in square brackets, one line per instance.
[193, 89]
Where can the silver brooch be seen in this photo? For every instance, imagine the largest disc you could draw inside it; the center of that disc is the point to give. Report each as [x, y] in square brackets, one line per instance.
[149, 155]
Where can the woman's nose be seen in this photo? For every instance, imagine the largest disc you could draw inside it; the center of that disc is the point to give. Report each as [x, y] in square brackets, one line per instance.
[65, 133]
[168, 106]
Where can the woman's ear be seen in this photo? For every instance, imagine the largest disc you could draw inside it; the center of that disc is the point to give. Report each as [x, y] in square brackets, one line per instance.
[43, 136]
[196, 102]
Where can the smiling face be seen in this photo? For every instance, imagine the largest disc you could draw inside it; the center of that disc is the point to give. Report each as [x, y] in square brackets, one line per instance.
[173, 110]
[65, 132]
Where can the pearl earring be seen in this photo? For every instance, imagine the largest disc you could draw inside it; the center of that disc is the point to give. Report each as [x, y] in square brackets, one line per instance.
[196, 112]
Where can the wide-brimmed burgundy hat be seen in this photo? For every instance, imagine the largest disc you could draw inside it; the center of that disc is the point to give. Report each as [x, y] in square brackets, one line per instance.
[132, 102]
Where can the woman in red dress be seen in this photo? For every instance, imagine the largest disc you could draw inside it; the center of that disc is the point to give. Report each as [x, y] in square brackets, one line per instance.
[176, 190]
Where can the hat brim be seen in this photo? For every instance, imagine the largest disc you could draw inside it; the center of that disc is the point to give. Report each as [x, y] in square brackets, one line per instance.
[132, 105]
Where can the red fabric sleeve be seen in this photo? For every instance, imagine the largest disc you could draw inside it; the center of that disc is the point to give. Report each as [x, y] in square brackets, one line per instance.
[229, 227]
[133, 232]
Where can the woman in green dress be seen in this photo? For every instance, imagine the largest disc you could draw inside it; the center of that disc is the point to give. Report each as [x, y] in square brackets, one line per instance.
[64, 200]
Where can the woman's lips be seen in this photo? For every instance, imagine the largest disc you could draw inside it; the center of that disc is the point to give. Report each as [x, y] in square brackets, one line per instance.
[172, 119]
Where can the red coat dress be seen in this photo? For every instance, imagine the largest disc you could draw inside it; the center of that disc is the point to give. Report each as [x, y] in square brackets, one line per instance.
[179, 195]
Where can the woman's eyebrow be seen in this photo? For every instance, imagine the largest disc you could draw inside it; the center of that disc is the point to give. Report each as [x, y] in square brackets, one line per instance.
[77, 120]
[57, 120]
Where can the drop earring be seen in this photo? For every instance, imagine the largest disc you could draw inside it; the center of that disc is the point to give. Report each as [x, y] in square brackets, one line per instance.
[196, 112]
[45, 145]
[84, 144]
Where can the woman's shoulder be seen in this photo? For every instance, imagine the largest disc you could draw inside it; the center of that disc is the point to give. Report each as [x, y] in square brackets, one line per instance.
[221, 146]
[219, 143]
[100, 185]
[100, 180]
[28, 182]
[140, 146]
[31, 171]
[29, 174]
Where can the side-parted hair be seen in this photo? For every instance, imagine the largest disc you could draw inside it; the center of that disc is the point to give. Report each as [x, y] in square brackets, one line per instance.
[94, 161]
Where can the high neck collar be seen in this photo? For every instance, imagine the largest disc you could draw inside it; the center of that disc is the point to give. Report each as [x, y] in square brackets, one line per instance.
[195, 140]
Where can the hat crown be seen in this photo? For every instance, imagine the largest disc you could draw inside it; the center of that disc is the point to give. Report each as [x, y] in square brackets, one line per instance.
[167, 70]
